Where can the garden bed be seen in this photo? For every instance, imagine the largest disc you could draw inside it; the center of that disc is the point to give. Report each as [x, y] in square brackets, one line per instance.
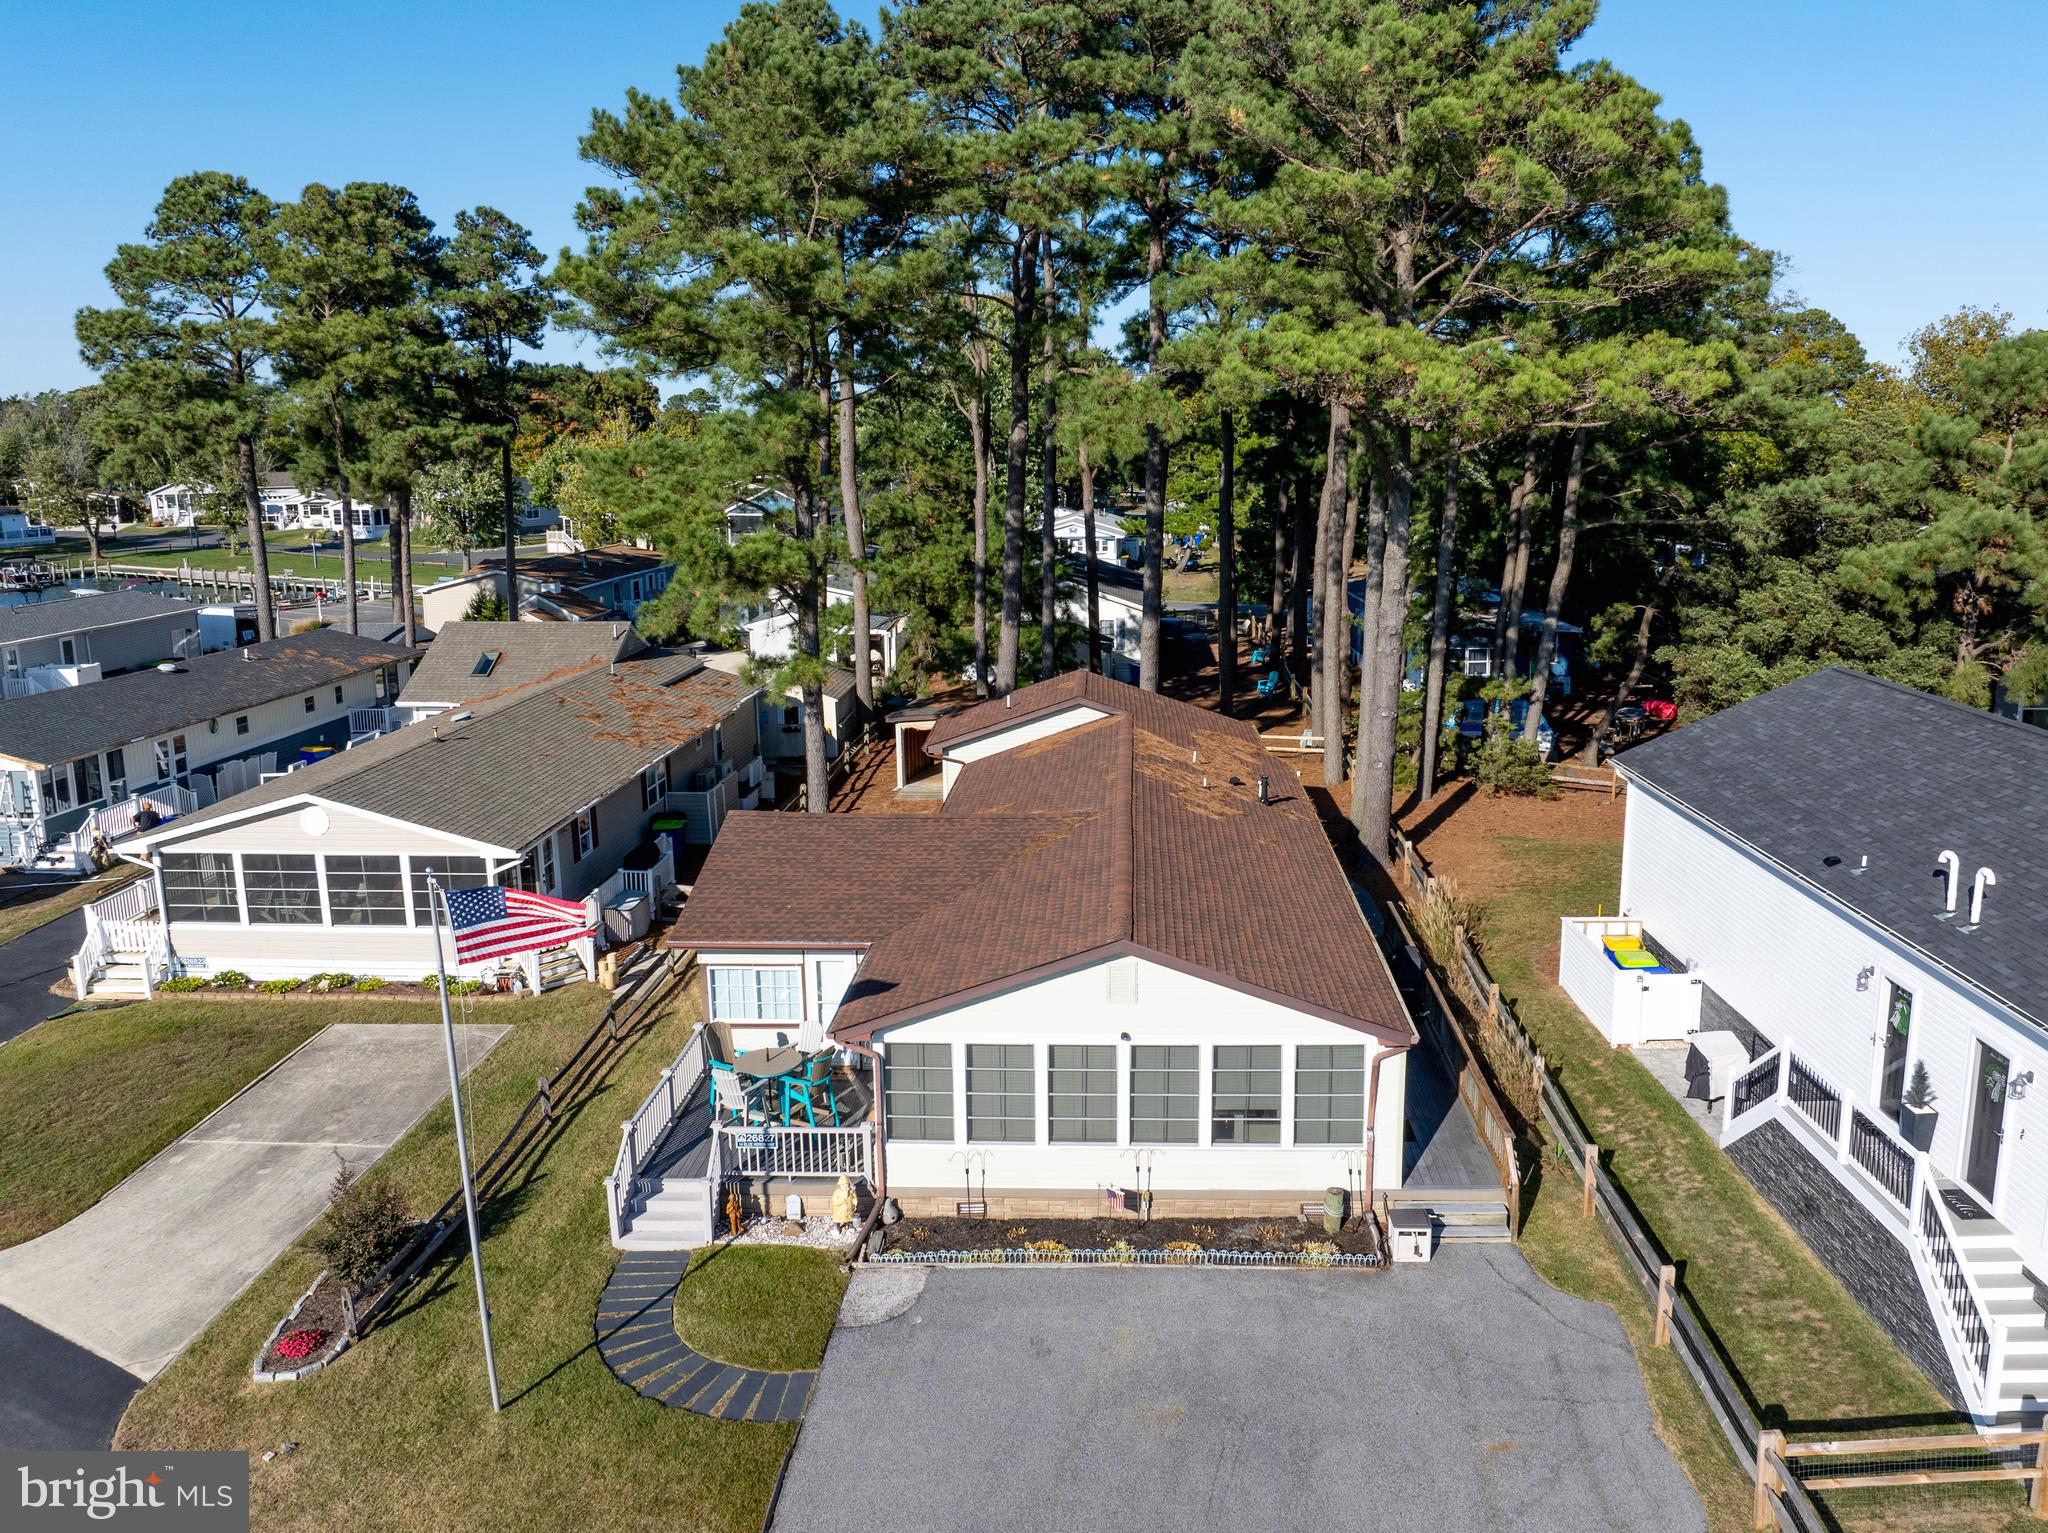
[314, 1334]
[1189, 1242]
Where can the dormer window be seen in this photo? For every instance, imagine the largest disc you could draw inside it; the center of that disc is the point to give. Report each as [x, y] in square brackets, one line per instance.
[487, 662]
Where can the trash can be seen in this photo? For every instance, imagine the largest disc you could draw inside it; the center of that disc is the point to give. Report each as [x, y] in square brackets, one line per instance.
[626, 919]
[670, 828]
[312, 753]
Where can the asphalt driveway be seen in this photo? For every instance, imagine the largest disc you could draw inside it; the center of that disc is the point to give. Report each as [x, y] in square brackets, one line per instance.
[30, 965]
[1462, 1396]
[139, 1274]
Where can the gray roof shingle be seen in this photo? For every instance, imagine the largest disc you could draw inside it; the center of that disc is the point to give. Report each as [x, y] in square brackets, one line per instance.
[518, 765]
[1842, 765]
[58, 726]
[527, 653]
[76, 614]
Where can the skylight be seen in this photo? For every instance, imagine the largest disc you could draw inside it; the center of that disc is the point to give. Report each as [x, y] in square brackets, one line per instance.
[487, 662]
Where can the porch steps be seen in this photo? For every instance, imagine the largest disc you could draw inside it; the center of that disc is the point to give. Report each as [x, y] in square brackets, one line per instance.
[118, 976]
[558, 967]
[665, 1217]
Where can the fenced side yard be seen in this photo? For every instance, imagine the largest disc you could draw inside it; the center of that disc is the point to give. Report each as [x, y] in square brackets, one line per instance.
[1772, 1341]
[398, 1433]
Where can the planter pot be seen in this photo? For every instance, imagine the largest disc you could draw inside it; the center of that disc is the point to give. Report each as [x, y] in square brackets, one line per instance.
[1916, 1126]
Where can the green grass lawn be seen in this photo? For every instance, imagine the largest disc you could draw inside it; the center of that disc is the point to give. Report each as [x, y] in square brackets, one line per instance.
[398, 1434]
[87, 1098]
[25, 915]
[1190, 585]
[760, 1306]
[1810, 1358]
[373, 562]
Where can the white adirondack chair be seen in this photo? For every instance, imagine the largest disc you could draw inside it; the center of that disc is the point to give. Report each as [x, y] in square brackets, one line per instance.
[731, 1097]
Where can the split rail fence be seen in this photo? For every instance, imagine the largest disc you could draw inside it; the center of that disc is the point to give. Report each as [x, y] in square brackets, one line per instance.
[1786, 1475]
[577, 1075]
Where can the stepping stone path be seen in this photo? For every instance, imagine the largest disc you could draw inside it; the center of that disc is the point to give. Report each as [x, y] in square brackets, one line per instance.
[637, 1337]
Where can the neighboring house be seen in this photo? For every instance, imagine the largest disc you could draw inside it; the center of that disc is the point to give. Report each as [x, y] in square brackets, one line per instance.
[2027, 709]
[114, 630]
[1120, 608]
[582, 585]
[78, 760]
[1114, 541]
[469, 661]
[1852, 878]
[1470, 651]
[554, 787]
[770, 630]
[753, 510]
[1113, 959]
[782, 718]
[19, 533]
[285, 506]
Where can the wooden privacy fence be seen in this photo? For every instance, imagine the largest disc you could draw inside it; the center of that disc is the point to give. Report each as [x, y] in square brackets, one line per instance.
[577, 1075]
[1786, 1474]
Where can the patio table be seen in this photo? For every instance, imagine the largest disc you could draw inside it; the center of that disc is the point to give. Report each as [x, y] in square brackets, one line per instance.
[766, 1064]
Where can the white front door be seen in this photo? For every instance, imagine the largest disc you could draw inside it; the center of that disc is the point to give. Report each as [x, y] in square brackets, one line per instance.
[829, 978]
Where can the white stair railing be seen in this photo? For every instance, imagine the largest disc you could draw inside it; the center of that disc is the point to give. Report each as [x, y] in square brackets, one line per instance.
[641, 1133]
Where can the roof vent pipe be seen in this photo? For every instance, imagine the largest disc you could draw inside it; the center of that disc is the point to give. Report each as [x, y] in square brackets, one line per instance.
[1265, 789]
[1954, 864]
[1984, 880]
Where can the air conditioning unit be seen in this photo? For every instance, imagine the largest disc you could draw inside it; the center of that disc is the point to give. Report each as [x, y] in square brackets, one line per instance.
[1408, 1229]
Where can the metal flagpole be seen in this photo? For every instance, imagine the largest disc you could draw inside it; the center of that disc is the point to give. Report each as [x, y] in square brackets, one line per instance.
[438, 901]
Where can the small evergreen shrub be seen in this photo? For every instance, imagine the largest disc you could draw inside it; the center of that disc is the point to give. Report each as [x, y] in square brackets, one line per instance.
[366, 1222]
[181, 984]
[229, 979]
[455, 986]
[279, 986]
[1508, 764]
[368, 983]
[331, 981]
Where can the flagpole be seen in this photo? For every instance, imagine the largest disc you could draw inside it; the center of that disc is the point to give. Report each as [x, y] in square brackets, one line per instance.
[476, 1245]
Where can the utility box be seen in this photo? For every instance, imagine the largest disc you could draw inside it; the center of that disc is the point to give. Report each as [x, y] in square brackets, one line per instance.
[1408, 1229]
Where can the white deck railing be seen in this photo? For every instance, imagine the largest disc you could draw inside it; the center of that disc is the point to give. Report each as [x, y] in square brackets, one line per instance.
[639, 1134]
[368, 723]
[778, 1150]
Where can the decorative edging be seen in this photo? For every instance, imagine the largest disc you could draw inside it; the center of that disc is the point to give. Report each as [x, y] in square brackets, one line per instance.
[1025, 1256]
[337, 1345]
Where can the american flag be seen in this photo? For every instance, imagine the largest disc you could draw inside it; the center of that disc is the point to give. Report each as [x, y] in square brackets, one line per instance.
[491, 922]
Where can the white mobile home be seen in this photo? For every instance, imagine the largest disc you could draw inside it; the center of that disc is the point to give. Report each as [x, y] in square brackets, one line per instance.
[1851, 877]
[114, 630]
[560, 788]
[1112, 949]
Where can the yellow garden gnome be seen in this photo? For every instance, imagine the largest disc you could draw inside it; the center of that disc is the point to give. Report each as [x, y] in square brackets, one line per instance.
[842, 1202]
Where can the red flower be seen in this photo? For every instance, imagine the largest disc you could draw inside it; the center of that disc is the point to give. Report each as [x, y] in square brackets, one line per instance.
[302, 1343]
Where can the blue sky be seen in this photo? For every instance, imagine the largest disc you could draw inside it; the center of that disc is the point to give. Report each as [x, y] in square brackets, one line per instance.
[1889, 151]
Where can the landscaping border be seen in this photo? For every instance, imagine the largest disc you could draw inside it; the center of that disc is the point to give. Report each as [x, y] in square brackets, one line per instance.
[337, 1345]
[1026, 1256]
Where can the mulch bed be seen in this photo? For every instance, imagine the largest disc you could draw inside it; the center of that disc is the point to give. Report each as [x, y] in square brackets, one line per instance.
[325, 1309]
[1279, 1235]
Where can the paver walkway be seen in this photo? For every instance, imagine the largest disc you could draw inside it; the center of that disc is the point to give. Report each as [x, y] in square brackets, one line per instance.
[142, 1272]
[637, 1337]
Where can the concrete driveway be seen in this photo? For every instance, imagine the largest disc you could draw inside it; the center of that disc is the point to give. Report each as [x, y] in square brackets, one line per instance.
[142, 1272]
[1466, 1395]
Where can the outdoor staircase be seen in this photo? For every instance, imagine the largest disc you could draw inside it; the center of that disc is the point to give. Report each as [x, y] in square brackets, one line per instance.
[120, 974]
[2009, 1290]
[667, 1218]
[558, 967]
[1460, 1213]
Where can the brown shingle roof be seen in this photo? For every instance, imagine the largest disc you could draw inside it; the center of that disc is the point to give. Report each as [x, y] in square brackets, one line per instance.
[1163, 716]
[1114, 836]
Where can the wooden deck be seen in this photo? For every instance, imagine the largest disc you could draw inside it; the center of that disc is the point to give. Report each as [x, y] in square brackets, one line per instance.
[685, 1150]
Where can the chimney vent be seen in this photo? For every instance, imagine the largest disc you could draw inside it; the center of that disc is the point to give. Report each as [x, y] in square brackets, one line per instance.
[1984, 880]
[1265, 789]
[1953, 866]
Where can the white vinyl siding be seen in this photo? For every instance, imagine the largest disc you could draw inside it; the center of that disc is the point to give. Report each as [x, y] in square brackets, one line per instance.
[919, 1091]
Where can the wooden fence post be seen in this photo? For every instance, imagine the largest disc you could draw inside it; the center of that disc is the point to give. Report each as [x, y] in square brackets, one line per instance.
[1493, 1002]
[1769, 1442]
[547, 1101]
[2034, 1498]
[1592, 1175]
[1536, 1082]
[1667, 1281]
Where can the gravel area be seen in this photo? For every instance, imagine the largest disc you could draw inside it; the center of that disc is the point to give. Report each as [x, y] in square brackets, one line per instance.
[875, 1294]
[816, 1231]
